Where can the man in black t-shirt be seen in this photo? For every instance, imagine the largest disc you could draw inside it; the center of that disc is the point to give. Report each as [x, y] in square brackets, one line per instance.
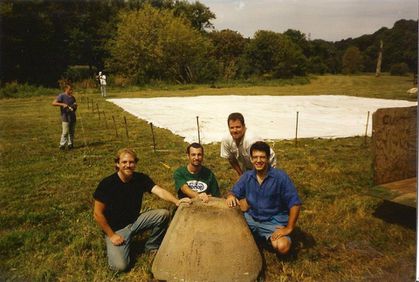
[117, 205]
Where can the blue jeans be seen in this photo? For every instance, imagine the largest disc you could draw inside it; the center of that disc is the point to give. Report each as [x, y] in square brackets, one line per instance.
[67, 135]
[157, 220]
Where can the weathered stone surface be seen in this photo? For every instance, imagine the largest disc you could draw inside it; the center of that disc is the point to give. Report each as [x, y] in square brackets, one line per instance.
[208, 242]
[394, 139]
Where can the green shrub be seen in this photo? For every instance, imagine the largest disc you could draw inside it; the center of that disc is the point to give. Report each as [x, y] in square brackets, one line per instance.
[16, 90]
[78, 73]
[399, 69]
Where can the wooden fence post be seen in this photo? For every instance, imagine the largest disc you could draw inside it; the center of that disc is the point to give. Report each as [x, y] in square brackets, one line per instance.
[114, 124]
[154, 140]
[199, 134]
[296, 130]
[126, 126]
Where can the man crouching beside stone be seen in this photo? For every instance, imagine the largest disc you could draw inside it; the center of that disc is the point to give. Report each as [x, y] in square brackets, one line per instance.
[117, 205]
[195, 180]
[269, 200]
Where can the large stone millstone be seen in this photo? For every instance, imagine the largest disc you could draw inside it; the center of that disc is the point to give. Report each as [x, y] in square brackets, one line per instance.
[208, 242]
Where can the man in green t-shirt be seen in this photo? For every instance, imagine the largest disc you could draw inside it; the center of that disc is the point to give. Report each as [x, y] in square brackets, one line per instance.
[195, 180]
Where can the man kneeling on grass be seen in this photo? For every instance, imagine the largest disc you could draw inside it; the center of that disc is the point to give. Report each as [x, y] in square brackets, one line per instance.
[268, 199]
[117, 205]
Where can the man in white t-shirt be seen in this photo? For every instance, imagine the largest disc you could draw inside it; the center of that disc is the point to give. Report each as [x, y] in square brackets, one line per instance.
[102, 81]
[236, 146]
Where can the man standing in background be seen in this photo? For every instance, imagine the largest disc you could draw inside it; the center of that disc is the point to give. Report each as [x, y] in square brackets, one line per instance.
[236, 146]
[102, 81]
[67, 103]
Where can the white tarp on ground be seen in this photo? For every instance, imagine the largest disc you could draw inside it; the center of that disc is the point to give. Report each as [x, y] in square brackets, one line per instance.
[271, 117]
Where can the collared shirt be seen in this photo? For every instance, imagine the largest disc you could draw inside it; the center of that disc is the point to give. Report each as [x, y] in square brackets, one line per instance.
[230, 150]
[275, 196]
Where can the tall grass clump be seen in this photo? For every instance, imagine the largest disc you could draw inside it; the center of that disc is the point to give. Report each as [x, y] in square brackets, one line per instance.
[17, 90]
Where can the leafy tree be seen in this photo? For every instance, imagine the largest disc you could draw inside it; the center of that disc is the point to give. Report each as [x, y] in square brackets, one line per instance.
[401, 45]
[229, 46]
[27, 31]
[323, 57]
[40, 39]
[198, 14]
[300, 39]
[352, 60]
[153, 44]
[316, 65]
[270, 53]
[399, 69]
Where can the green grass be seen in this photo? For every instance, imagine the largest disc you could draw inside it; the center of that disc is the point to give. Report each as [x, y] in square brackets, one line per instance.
[366, 85]
[47, 232]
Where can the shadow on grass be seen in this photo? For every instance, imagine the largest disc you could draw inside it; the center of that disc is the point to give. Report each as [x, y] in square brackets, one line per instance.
[395, 213]
[137, 247]
[300, 240]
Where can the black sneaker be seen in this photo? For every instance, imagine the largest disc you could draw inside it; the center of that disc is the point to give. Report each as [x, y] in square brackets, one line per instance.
[70, 147]
[62, 147]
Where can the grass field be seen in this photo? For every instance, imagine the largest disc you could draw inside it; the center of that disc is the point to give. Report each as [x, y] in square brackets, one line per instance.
[48, 233]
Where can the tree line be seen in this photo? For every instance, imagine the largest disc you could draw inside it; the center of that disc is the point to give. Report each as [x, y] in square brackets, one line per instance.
[141, 41]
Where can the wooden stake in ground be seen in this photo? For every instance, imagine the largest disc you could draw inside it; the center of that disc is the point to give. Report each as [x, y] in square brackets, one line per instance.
[366, 128]
[152, 134]
[296, 130]
[104, 117]
[199, 134]
[126, 126]
[114, 125]
[98, 112]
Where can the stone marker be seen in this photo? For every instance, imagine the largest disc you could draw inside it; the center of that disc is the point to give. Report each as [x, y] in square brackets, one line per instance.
[208, 242]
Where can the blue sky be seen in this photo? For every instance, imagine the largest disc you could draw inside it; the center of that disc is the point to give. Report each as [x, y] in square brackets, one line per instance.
[330, 20]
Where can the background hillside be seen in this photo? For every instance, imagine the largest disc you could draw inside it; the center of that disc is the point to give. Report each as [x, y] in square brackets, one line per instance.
[147, 41]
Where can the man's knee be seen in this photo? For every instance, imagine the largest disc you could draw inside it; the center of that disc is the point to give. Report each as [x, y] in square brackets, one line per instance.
[281, 245]
[119, 265]
[163, 215]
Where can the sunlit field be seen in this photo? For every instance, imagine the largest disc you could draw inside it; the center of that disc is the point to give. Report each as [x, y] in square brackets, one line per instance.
[47, 231]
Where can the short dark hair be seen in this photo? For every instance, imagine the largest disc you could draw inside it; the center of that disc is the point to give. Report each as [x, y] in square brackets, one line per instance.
[196, 146]
[260, 146]
[236, 116]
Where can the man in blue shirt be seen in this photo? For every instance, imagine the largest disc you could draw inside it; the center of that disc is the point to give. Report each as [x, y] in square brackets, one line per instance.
[67, 103]
[268, 199]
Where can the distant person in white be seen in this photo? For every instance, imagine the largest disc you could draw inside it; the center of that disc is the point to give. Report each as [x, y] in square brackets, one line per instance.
[102, 81]
[236, 146]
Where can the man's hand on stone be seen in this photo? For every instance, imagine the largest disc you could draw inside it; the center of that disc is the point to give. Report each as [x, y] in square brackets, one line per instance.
[185, 200]
[204, 197]
[232, 201]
